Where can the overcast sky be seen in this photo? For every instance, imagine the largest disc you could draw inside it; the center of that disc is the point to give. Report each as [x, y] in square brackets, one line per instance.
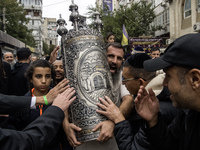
[52, 8]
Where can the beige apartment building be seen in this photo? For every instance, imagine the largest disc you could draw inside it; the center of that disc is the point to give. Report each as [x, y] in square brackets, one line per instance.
[184, 17]
[50, 31]
[34, 13]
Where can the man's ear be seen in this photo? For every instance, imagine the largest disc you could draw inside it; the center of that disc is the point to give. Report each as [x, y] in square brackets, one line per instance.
[142, 82]
[194, 78]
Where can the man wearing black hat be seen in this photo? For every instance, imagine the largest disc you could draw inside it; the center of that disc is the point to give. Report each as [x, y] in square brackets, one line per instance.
[19, 84]
[135, 76]
[181, 64]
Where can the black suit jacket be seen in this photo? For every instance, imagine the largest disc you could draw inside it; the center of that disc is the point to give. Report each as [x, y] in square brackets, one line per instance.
[14, 104]
[5, 83]
[36, 135]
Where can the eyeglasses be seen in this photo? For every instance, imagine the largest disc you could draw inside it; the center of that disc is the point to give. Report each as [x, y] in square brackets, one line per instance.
[125, 80]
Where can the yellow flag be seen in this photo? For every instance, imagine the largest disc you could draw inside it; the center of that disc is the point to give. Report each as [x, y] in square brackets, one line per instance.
[124, 37]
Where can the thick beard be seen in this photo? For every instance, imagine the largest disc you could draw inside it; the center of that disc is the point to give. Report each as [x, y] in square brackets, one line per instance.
[117, 79]
[58, 80]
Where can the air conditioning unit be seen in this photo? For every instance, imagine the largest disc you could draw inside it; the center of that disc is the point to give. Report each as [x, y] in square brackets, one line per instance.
[198, 8]
[196, 27]
[168, 41]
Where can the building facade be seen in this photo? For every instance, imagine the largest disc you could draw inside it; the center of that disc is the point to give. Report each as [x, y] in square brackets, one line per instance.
[184, 17]
[34, 13]
[161, 9]
[50, 31]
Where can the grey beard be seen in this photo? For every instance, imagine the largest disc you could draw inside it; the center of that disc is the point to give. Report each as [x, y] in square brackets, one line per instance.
[117, 79]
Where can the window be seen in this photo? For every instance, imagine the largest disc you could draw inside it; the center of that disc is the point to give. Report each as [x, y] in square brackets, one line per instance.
[37, 2]
[158, 20]
[35, 33]
[37, 22]
[30, 13]
[155, 21]
[153, 3]
[198, 5]
[187, 8]
[166, 17]
[161, 19]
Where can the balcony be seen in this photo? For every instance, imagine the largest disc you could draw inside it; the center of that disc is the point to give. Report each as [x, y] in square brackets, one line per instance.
[33, 7]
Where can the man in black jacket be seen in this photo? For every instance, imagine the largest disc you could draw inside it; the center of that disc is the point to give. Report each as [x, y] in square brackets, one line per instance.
[39, 133]
[19, 84]
[181, 64]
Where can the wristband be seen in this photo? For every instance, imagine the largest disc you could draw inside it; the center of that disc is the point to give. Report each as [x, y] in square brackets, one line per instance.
[45, 100]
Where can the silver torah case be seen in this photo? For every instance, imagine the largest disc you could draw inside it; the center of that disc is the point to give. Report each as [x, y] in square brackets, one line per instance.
[87, 69]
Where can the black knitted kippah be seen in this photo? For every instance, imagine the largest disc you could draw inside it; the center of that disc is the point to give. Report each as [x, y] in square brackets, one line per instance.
[137, 60]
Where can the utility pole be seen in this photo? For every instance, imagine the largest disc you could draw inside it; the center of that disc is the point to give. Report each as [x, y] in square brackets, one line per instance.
[4, 22]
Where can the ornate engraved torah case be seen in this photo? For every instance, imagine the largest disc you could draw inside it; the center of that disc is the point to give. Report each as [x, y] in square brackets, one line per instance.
[87, 69]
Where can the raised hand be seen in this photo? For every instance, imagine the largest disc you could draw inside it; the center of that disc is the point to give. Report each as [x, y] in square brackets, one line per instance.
[147, 106]
[53, 55]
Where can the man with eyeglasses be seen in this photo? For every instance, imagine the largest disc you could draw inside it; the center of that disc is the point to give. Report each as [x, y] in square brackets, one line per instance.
[134, 76]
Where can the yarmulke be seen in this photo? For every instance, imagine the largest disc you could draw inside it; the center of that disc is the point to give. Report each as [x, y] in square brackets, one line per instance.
[136, 60]
[138, 48]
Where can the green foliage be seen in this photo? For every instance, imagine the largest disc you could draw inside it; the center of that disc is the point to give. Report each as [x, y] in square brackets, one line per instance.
[51, 48]
[137, 20]
[45, 48]
[15, 21]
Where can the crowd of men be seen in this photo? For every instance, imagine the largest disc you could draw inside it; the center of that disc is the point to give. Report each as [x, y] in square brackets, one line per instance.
[158, 100]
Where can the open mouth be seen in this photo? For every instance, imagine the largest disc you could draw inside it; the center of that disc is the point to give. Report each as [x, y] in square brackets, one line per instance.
[113, 69]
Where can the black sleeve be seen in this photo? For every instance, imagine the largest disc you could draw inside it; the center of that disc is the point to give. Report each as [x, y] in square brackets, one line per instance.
[126, 140]
[13, 104]
[5, 82]
[36, 135]
[165, 137]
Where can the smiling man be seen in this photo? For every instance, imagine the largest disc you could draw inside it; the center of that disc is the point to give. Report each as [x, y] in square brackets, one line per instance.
[181, 64]
[58, 72]
[8, 57]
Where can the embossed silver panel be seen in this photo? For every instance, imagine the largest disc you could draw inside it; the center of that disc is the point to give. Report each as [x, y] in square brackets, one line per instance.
[88, 71]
